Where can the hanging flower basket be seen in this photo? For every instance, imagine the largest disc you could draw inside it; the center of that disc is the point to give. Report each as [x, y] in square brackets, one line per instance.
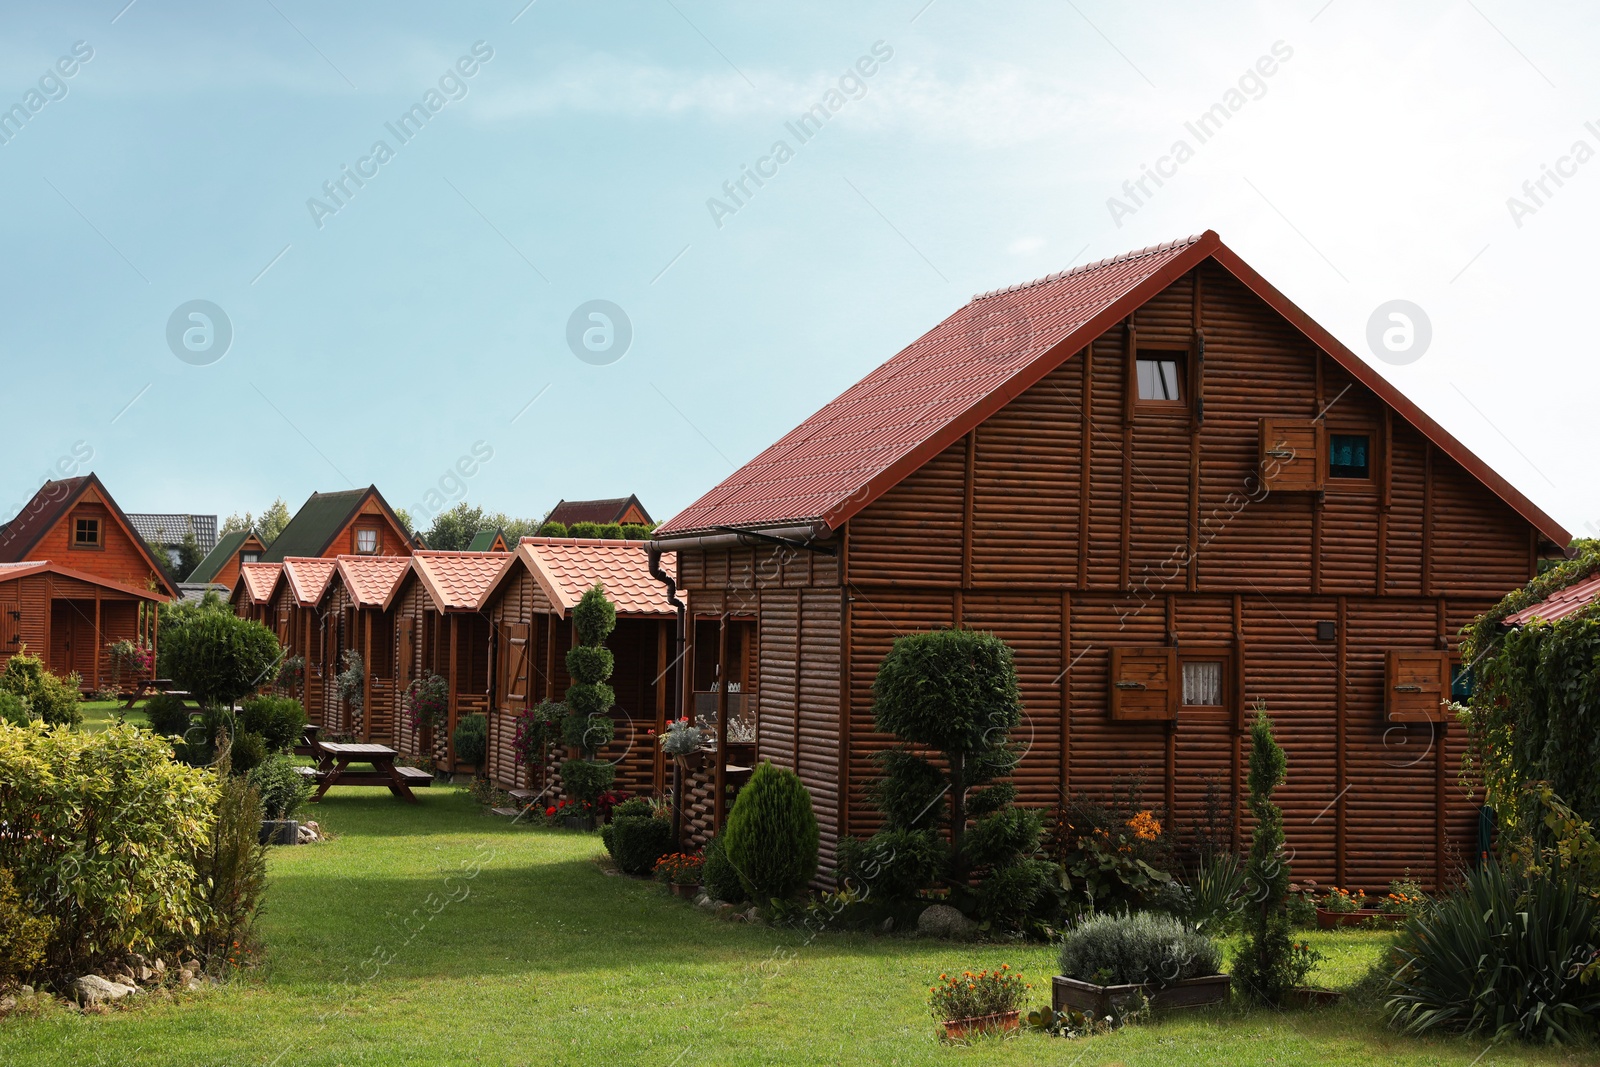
[692, 761]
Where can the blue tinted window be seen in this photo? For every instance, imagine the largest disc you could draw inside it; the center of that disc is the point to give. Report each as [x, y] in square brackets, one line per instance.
[1461, 682]
[1347, 456]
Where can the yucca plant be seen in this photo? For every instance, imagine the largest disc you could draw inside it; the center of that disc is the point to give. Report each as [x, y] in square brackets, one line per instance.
[1504, 955]
[1215, 896]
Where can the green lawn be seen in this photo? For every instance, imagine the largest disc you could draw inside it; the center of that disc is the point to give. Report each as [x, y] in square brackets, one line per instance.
[543, 958]
[98, 714]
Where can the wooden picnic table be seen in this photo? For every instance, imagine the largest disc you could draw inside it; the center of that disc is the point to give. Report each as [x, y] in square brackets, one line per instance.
[336, 757]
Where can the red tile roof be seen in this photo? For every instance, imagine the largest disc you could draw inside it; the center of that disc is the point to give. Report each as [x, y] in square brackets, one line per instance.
[1558, 605]
[12, 571]
[372, 580]
[257, 580]
[567, 567]
[459, 581]
[568, 512]
[975, 362]
[308, 578]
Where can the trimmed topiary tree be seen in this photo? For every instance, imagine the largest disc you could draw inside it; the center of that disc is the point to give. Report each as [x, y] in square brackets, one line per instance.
[588, 726]
[771, 836]
[220, 657]
[552, 529]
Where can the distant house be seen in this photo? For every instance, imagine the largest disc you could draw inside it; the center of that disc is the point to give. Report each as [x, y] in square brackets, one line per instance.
[356, 522]
[221, 565]
[625, 509]
[488, 541]
[168, 531]
[75, 577]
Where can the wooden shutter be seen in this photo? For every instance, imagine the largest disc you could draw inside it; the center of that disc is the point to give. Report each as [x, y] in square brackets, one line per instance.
[516, 673]
[1291, 454]
[408, 644]
[1415, 684]
[1144, 684]
[10, 628]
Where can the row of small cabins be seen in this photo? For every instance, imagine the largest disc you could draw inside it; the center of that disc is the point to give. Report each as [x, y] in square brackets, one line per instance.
[1171, 491]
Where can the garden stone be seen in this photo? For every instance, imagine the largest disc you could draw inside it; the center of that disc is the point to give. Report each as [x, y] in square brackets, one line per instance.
[25, 990]
[7, 1004]
[752, 916]
[92, 989]
[161, 966]
[941, 920]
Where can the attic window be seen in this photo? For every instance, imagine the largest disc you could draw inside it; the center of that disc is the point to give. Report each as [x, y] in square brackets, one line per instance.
[249, 557]
[1349, 456]
[86, 533]
[1160, 378]
[367, 542]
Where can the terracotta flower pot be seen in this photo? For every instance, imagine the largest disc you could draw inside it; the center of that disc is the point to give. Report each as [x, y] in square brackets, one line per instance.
[687, 892]
[1327, 920]
[956, 1029]
[692, 761]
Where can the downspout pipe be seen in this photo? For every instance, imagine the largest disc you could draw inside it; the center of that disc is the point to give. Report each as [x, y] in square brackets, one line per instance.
[654, 554]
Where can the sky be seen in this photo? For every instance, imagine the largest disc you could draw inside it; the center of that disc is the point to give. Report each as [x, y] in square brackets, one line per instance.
[374, 313]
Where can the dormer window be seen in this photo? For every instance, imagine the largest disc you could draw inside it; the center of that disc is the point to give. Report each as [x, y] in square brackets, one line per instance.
[249, 557]
[86, 533]
[367, 542]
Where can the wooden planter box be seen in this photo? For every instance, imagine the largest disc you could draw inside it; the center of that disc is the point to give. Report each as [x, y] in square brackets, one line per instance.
[1327, 920]
[956, 1029]
[1103, 1000]
[578, 822]
[687, 892]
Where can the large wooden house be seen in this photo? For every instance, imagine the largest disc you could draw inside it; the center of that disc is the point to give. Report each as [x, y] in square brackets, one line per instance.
[530, 609]
[75, 578]
[1174, 495]
[356, 522]
[440, 629]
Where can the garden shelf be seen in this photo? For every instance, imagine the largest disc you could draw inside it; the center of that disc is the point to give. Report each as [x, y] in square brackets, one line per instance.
[1102, 1000]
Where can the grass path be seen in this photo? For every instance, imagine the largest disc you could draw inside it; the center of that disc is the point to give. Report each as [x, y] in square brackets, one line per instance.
[384, 948]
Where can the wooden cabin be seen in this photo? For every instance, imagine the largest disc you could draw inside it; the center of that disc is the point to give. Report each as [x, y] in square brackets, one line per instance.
[358, 612]
[489, 541]
[296, 611]
[1173, 494]
[253, 592]
[440, 629]
[356, 522]
[69, 618]
[221, 565]
[622, 509]
[530, 609]
[90, 580]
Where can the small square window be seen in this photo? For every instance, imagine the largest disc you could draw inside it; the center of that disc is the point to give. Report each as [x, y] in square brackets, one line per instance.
[249, 557]
[86, 533]
[1202, 683]
[1160, 378]
[1349, 456]
[367, 542]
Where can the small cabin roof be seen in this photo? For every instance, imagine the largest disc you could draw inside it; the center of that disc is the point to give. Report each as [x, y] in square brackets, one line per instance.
[568, 567]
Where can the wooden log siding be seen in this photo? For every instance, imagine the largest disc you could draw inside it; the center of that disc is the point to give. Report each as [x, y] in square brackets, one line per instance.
[1215, 564]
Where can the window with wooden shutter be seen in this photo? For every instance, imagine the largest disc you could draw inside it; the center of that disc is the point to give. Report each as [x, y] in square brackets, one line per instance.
[516, 659]
[1291, 454]
[1144, 684]
[1415, 685]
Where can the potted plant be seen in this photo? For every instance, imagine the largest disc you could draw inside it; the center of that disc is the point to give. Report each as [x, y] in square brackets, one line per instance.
[978, 1001]
[682, 742]
[681, 872]
[1112, 963]
[1340, 907]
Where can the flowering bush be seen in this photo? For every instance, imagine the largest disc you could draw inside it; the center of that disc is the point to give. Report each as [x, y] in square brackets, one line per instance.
[680, 868]
[1405, 897]
[682, 737]
[1114, 854]
[427, 701]
[971, 995]
[537, 727]
[1343, 901]
[600, 808]
[127, 655]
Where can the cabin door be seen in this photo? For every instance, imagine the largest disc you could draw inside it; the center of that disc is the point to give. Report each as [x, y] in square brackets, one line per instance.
[72, 639]
[10, 628]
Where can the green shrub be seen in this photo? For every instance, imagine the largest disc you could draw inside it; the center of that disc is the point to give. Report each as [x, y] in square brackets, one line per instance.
[584, 529]
[1115, 853]
[283, 788]
[15, 708]
[471, 739]
[1212, 899]
[584, 780]
[590, 661]
[24, 937]
[1009, 895]
[633, 807]
[588, 725]
[115, 825]
[1503, 956]
[771, 835]
[219, 657]
[591, 733]
[611, 531]
[247, 752]
[552, 529]
[638, 841]
[637, 531]
[894, 865]
[718, 876]
[280, 721]
[1270, 963]
[232, 872]
[49, 698]
[169, 715]
[1137, 948]
[594, 616]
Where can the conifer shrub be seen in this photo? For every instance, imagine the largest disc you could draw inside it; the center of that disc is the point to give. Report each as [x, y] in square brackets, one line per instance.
[282, 787]
[611, 531]
[718, 876]
[280, 722]
[169, 715]
[771, 836]
[584, 529]
[471, 739]
[552, 529]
